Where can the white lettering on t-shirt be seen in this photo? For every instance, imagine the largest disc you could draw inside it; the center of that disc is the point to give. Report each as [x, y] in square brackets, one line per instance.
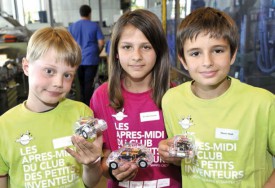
[212, 166]
[47, 169]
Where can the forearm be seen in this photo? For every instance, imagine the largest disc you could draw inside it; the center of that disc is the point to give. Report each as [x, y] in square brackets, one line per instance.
[105, 168]
[100, 45]
[271, 181]
[92, 174]
[3, 181]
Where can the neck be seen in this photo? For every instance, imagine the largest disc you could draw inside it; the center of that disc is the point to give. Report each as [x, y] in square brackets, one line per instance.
[86, 18]
[39, 106]
[136, 86]
[210, 92]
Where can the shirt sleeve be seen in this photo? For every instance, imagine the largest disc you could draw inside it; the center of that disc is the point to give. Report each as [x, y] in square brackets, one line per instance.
[271, 128]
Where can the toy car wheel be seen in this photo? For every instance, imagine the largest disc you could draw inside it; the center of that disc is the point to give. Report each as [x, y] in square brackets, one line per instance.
[113, 165]
[142, 164]
[84, 134]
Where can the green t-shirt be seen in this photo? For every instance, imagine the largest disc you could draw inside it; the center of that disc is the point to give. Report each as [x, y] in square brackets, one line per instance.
[234, 135]
[32, 146]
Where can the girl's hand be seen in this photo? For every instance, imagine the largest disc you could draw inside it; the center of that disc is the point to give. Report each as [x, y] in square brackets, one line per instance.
[125, 172]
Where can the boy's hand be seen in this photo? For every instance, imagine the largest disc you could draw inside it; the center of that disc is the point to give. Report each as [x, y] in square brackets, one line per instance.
[125, 172]
[86, 153]
[164, 152]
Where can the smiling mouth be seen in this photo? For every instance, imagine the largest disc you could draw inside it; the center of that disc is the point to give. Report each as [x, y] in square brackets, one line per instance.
[54, 93]
[136, 67]
[139, 65]
[208, 73]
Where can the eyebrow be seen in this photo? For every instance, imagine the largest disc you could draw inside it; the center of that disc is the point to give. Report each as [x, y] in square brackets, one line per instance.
[126, 42]
[192, 49]
[215, 46]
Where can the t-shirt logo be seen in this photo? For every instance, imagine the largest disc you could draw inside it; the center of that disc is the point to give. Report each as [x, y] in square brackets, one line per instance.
[25, 138]
[186, 122]
[120, 115]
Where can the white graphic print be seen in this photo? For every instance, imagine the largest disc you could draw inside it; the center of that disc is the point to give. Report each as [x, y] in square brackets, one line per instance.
[186, 122]
[120, 115]
[25, 138]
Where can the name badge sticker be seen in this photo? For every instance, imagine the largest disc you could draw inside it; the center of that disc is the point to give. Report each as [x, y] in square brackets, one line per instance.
[227, 134]
[62, 142]
[149, 116]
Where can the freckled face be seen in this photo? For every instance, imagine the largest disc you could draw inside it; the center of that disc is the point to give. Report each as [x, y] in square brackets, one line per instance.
[207, 60]
[136, 54]
[49, 81]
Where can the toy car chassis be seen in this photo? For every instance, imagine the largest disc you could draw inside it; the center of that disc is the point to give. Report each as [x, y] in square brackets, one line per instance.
[183, 147]
[88, 127]
[130, 152]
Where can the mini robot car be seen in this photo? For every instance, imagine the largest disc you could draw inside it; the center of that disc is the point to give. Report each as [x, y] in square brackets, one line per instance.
[130, 152]
[183, 147]
[88, 127]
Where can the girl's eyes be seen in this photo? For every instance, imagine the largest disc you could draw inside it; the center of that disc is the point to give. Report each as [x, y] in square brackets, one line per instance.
[128, 47]
[147, 47]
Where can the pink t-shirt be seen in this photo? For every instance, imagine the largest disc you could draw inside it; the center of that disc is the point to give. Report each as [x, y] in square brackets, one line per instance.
[139, 121]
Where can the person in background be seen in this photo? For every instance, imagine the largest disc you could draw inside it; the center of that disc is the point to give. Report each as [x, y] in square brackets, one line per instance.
[229, 124]
[91, 40]
[130, 101]
[35, 133]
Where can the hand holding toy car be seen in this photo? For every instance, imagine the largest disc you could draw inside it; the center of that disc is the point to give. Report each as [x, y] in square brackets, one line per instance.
[124, 162]
[88, 127]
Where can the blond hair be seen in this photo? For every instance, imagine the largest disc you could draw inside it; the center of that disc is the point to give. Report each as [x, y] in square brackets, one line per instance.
[58, 39]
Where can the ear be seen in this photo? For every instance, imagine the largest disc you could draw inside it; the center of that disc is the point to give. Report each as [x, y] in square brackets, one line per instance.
[183, 62]
[233, 57]
[25, 66]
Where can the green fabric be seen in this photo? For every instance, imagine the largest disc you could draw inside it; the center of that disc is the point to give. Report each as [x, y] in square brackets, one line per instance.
[234, 135]
[26, 146]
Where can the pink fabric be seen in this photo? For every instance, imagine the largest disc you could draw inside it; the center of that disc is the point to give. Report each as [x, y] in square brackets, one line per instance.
[147, 128]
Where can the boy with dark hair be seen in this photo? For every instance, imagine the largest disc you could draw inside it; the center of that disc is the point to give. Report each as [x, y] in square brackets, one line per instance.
[231, 125]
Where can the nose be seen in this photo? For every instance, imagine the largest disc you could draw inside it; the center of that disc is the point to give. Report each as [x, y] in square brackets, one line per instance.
[207, 60]
[136, 56]
[58, 81]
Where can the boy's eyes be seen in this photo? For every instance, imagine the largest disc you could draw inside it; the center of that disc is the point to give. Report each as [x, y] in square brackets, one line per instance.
[218, 51]
[196, 53]
[51, 72]
[68, 76]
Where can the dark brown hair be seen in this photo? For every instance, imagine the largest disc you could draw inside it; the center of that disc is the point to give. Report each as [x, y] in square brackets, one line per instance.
[207, 21]
[149, 24]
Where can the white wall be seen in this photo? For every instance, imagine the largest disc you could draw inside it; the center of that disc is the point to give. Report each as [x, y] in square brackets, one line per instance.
[65, 11]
